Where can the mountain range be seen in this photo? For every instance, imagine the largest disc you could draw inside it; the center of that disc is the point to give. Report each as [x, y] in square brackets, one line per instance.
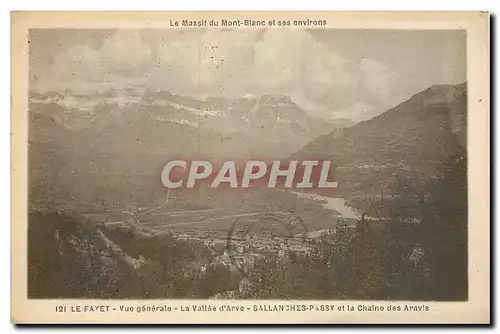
[118, 141]
[269, 126]
[411, 139]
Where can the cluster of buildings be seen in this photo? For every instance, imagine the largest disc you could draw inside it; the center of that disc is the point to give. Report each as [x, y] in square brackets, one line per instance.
[244, 251]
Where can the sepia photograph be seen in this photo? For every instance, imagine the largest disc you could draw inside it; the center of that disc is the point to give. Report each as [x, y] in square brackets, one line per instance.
[249, 159]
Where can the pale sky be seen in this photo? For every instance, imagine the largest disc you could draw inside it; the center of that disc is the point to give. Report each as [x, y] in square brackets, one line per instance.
[331, 73]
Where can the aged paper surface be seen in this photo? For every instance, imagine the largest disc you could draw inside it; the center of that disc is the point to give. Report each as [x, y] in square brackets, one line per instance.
[250, 167]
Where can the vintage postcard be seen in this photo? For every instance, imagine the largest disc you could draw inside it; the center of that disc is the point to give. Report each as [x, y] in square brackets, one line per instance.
[250, 167]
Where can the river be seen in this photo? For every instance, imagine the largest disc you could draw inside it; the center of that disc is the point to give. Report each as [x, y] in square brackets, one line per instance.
[332, 203]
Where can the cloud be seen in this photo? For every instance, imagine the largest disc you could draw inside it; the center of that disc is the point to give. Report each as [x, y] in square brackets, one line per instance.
[376, 80]
[231, 63]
